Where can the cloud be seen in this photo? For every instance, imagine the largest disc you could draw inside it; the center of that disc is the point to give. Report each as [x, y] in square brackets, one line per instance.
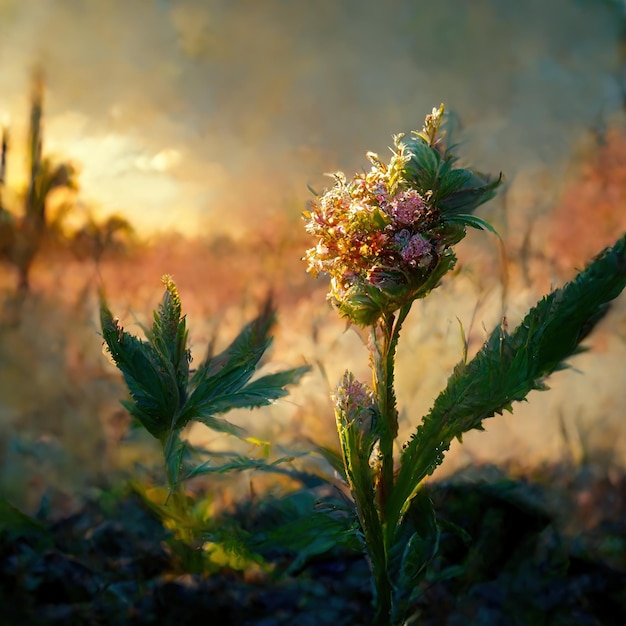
[257, 99]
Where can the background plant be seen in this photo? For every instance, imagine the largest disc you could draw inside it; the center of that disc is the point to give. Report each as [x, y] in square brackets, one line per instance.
[166, 395]
[21, 239]
[385, 238]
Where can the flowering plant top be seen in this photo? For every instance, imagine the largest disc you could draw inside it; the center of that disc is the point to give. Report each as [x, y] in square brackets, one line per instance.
[386, 236]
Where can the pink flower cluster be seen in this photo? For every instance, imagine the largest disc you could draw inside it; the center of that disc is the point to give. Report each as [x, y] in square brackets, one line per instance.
[405, 207]
[414, 249]
[367, 229]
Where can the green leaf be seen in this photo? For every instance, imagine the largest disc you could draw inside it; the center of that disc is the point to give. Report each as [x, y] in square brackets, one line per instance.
[239, 360]
[473, 221]
[164, 398]
[152, 384]
[478, 190]
[239, 464]
[334, 459]
[260, 392]
[509, 366]
[310, 536]
[220, 425]
[364, 304]
[17, 525]
[298, 526]
[415, 543]
[422, 170]
[169, 335]
[221, 383]
[452, 190]
[228, 546]
[453, 180]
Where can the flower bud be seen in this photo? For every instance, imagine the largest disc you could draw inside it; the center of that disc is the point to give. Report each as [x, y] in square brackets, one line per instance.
[355, 405]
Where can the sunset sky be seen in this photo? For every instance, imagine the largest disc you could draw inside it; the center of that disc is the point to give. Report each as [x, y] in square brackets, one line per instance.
[209, 115]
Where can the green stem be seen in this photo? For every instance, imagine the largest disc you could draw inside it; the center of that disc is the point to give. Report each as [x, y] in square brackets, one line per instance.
[382, 373]
[173, 448]
[177, 500]
[382, 617]
[384, 355]
[384, 343]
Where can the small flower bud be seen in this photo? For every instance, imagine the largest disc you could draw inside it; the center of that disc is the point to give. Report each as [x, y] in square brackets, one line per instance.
[355, 404]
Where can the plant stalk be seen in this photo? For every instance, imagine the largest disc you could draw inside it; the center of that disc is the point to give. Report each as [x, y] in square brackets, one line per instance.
[384, 342]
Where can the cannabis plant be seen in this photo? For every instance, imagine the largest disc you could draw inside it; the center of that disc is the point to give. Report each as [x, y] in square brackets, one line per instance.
[166, 395]
[386, 238]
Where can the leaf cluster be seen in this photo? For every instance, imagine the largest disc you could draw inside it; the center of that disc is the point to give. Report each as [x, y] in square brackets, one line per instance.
[166, 395]
[455, 192]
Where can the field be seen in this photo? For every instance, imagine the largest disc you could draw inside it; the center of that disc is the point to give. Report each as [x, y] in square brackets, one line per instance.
[540, 495]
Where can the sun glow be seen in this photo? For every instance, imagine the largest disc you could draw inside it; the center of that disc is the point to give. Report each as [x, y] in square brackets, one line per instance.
[121, 175]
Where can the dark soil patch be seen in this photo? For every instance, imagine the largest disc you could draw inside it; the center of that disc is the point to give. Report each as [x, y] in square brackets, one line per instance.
[511, 552]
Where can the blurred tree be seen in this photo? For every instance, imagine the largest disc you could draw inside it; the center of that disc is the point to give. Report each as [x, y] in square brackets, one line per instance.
[97, 237]
[6, 219]
[21, 238]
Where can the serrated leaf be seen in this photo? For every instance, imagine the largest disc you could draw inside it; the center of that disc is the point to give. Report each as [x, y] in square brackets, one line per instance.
[221, 383]
[242, 355]
[220, 425]
[239, 464]
[169, 336]
[260, 392]
[152, 384]
[508, 367]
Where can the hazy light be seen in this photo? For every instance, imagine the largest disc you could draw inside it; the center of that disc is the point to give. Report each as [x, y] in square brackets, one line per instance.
[233, 108]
